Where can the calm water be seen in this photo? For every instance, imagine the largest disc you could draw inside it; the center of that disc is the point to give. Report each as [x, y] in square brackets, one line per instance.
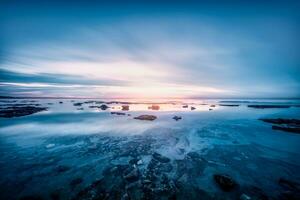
[60, 152]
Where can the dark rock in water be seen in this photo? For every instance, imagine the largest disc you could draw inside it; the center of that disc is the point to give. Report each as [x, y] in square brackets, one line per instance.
[287, 129]
[77, 104]
[225, 182]
[117, 113]
[80, 109]
[14, 111]
[154, 107]
[210, 109]
[160, 158]
[282, 121]
[61, 102]
[132, 176]
[125, 107]
[185, 106]
[291, 185]
[193, 108]
[288, 125]
[103, 107]
[177, 118]
[212, 105]
[230, 105]
[76, 182]
[268, 106]
[62, 168]
[146, 117]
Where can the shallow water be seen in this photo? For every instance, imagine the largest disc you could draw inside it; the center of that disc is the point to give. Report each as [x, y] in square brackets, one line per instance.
[45, 153]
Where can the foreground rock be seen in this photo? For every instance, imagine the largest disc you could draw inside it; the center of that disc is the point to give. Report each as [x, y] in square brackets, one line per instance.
[125, 107]
[288, 125]
[225, 182]
[15, 111]
[292, 189]
[146, 117]
[268, 106]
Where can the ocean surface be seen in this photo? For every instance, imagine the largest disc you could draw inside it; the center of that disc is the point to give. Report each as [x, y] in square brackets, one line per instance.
[81, 152]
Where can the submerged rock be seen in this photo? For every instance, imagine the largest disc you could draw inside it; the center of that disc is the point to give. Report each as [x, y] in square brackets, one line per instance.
[15, 111]
[160, 158]
[225, 182]
[146, 117]
[177, 117]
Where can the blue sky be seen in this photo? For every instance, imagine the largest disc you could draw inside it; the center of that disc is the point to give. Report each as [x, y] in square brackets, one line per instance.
[143, 49]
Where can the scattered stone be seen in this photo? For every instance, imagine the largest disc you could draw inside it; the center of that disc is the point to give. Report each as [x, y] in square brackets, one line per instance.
[193, 108]
[15, 111]
[154, 107]
[185, 106]
[77, 104]
[61, 102]
[212, 105]
[117, 113]
[210, 109]
[225, 182]
[125, 107]
[268, 106]
[177, 118]
[80, 108]
[146, 117]
[160, 158]
[132, 176]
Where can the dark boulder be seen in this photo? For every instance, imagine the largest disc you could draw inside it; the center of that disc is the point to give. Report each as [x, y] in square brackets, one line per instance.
[225, 182]
[146, 117]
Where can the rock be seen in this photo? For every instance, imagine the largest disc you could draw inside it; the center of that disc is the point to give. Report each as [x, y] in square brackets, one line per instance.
[117, 113]
[225, 182]
[185, 106]
[289, 184]
[140, 162]
[210, 109]
[212, 105]
[160, 158]
[61, 102]
[76, 182]
[77, 104]
[288, 125]
[268, 106]
[80, 109]
[125, 107]
[154, 107]
[146, 117]
[15, 111]
[177, 118]
[62, 168]
[132, 176]
[193, 108]
[103, 107]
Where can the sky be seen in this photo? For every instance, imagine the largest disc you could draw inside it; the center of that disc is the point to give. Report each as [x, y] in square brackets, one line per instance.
[150, 49]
